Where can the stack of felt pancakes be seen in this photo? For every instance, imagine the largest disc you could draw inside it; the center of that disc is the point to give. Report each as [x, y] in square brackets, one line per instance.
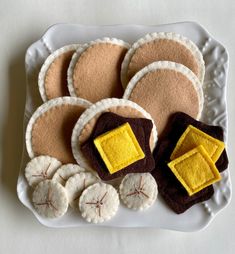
[121, 122]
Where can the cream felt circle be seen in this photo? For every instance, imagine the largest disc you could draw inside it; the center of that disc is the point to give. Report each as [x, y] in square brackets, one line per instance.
[49, 129]
[86, 123]
[162, 47]
[94, 72]
[163, 88]
[52, 79]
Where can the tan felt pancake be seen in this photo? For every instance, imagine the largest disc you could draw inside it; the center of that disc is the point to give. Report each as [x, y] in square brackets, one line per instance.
[162, 50]
[51, 132]
[124, 111]
[56, 76]
[97, 73]
[163, 92]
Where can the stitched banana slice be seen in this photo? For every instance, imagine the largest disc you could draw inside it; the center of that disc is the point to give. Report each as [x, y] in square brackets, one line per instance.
[99, 202]
[65, 172]
[50, 199]
[41, 168]
[76, 184]
[138, 191]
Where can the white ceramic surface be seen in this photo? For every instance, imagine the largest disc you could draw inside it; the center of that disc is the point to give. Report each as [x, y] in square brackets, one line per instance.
[214, 112]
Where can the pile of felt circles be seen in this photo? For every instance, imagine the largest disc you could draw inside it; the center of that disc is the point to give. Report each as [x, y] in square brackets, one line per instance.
[119, 122]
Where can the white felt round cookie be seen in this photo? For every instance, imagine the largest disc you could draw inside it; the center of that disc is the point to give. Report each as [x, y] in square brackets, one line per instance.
[138, 191]
[101, 107]
[167, 65]
[63, 173]
[43, 109]
[76, 184]
[99, 203]
[81, 50]
[50, 59]
[50, 199]
[162, 35]
[41, 168]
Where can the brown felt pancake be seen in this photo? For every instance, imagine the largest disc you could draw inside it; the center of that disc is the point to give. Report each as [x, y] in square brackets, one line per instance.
[50, 128]
[52, 79]
[56, 76]
[94, 72]
[162, 47]
[163, 88]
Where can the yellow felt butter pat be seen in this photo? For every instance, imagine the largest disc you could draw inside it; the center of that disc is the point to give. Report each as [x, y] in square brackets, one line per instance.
[119, 148]
[195, 170]
[193, 137]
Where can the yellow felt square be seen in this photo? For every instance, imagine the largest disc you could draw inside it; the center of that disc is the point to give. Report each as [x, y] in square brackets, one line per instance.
[119, 148]
[195, 170]
[193, 137]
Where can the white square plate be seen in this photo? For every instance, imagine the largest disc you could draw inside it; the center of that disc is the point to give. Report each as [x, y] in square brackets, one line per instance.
[214, 113]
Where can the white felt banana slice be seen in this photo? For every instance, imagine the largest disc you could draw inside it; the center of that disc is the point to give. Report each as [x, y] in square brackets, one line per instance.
[76, 184]
[99, 203]
[50, 199]
[138, 191]
[65, 172]
[41, 168]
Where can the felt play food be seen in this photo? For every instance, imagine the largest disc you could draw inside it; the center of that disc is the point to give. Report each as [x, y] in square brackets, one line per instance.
[162, 47]
[94, 71]
[163, 88]
[52, 78]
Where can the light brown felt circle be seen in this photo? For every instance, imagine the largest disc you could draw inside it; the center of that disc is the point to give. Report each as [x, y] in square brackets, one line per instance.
[51, 132]
[56, 76]
[97, 72]
[123, 111]
[163, 92]
[162, 50]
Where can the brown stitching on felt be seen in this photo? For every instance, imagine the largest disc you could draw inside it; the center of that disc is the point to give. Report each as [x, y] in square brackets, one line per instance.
[43, 174]
[208, 181]
[62, 178]
[48, 201]
[138, 190]
[98, 204]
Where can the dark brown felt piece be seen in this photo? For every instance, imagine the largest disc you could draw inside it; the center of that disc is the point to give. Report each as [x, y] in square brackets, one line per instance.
[168, 186]
[142, 130]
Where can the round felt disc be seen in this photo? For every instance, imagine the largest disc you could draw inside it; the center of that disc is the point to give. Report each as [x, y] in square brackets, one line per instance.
[87, 122]
[49, 129]
[94, 71]
[52, 79]
[163, 88]
[162, 47]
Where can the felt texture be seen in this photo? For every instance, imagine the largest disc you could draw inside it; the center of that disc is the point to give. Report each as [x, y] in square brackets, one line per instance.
[163, 92]
[119, 148]
[141, 128]
[123, 111]
[51, 132]
[195, 170]
[193, 137]
[169, 187]
[96, 74]
[162, 50]
[56, 76]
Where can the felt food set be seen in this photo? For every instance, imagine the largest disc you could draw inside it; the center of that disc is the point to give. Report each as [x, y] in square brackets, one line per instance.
[119, 130]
